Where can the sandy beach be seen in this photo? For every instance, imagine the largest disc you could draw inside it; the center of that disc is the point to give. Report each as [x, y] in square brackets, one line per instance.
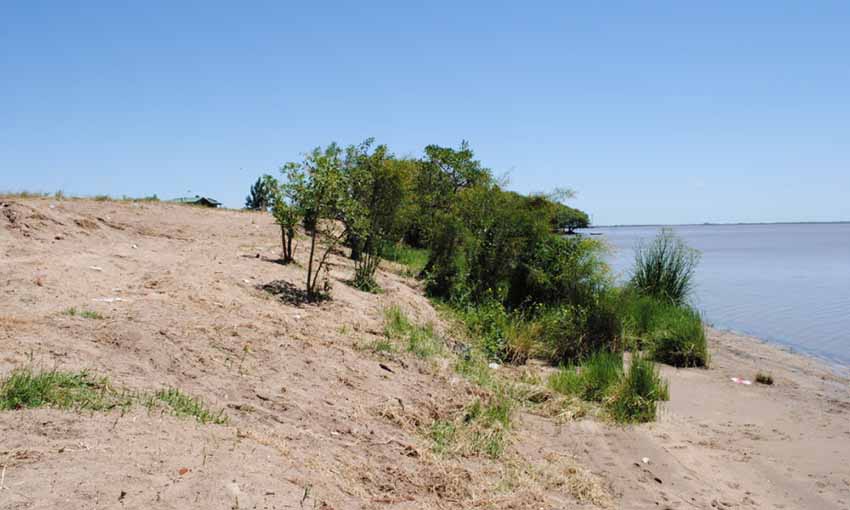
[316, 421]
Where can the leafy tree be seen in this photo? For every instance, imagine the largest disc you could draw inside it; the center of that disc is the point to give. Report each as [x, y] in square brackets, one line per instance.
[285, 213]
[319, 193]
[261, 195]
[377, 191]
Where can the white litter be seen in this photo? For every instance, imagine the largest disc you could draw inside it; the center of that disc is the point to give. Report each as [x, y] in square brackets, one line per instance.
[108, 299]
[134, 246]
[494, 366]
[645, 460]
[96, 268]
[738, 380]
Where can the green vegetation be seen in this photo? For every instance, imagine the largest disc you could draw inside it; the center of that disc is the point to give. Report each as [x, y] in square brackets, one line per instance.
[593, 380]
[422, 341]
[86, 314]
[186, 405]
[664, 268]
[63, 390]
[81, 391]
[497, 258]
[635, 399]
[262, 194]
[481, 429]
[764, 378]
[415, 259]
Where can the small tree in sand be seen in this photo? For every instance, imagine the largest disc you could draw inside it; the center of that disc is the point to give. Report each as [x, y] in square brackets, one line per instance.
[319, 194]
[285, 214]
[377, 190]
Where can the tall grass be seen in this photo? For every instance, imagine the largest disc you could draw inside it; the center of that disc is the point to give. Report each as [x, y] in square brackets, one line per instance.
[664, 268]
[636, 399]
[593, 380]
[672, 334]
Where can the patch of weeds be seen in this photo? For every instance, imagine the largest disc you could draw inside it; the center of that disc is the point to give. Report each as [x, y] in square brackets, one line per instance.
[591, 381]
[636, 398]
[764, 378]
[182, 404]
[86, 314]
[481, 429]
[24, 388]
[379, 346]
[422, 341]
[442, 433]
[27, 389]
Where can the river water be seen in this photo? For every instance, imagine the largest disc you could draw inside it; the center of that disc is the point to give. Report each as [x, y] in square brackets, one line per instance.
[784, 283]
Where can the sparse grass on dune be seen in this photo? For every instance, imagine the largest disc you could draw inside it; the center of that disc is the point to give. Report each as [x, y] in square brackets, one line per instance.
[24, 388]
[422, 341]
[86, 314]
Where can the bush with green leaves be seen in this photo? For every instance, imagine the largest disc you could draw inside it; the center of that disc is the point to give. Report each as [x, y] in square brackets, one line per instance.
[319, 192]
[572, 333]
[664, 268]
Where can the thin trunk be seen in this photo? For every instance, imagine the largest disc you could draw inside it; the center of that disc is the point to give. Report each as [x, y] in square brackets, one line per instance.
[310, 262]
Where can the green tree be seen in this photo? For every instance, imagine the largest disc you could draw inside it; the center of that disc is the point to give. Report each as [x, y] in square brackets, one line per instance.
[261, 195]
[377, 190]
[286, 215]
[319, 192]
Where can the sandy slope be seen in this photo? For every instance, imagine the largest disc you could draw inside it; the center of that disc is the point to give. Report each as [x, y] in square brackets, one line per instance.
[315, 421]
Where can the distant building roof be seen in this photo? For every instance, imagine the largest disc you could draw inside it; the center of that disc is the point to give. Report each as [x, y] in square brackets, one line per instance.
[198, 200]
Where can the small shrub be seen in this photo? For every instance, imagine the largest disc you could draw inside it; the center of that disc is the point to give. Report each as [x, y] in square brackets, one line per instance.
[764, 378]
[636, 398]
[664, 269]
[489, 323]
[570, 334]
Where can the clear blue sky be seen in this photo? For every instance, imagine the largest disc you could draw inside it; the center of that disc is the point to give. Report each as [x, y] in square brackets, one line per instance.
[656, 112]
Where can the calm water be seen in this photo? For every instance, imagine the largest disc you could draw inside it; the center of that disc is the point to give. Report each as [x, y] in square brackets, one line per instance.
[789, 284]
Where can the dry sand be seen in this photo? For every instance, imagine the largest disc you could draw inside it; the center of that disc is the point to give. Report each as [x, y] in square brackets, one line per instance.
[314, 420]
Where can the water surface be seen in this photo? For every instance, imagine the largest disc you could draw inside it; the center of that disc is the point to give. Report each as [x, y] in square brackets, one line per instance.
[788, 283]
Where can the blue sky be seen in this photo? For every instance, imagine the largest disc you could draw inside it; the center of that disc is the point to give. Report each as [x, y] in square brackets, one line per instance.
[655, 112]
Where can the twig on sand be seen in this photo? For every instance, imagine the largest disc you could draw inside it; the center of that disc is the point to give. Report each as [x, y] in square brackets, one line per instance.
[3, 478]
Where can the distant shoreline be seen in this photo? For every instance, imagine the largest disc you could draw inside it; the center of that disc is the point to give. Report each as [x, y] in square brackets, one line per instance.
[841, 222]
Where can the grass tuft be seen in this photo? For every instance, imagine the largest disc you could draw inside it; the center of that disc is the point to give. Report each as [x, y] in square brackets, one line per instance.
[86, 314]
[593, 380]
[25, 389]
[182, 404]
[422, 341]
[664, 268]
[636, 398]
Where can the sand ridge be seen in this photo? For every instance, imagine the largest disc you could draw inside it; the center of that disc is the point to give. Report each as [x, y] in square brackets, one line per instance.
[317, 422]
